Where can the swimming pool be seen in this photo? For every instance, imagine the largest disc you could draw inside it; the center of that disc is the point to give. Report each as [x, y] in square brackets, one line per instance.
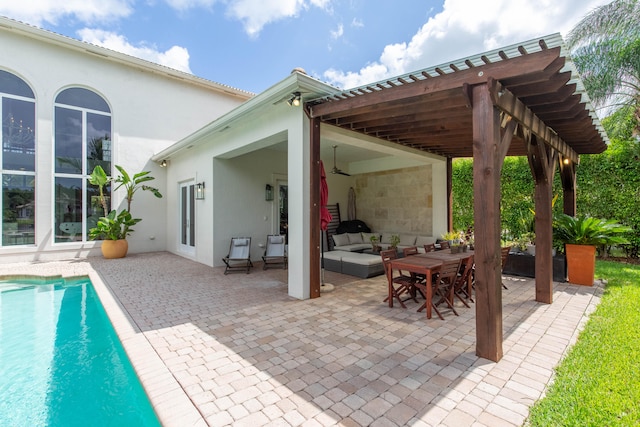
[61, 362]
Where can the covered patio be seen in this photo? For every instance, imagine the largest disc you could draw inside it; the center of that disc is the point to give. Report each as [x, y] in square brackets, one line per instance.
[220, 350]
[526, 99]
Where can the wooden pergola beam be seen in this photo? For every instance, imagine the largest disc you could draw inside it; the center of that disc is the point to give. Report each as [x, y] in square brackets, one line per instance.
[510, 104]
[519, 66]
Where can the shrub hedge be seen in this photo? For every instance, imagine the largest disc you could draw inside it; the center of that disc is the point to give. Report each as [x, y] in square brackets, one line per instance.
[608, 186]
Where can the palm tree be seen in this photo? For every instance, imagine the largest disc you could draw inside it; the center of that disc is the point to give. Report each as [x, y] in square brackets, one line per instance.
[606, 51]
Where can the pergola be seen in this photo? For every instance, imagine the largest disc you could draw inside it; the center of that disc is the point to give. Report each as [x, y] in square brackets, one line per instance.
[522, 100]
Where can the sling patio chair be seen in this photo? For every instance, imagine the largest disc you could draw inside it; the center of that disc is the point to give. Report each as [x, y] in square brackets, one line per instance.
[239, 255]
[275, 254]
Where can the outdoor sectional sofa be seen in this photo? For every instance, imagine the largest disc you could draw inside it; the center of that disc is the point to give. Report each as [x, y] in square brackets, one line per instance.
[347, 257]
[354, 263]
[358, 242]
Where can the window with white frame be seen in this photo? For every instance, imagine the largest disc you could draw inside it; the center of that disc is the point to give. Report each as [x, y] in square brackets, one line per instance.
[82, 141]
[18, 114]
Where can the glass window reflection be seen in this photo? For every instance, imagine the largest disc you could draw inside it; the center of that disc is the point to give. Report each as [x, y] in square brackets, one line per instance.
[18, 210]
[68, 209]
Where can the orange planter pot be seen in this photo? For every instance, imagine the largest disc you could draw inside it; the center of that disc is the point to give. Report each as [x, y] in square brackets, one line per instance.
[581, 264]
[114, 248]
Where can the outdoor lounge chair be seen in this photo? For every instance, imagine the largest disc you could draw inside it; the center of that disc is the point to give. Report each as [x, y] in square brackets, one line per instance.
[239, 255]
[276, 252]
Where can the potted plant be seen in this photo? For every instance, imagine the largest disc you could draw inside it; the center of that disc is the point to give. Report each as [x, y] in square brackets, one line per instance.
[394, 240]
[580, 236]
[374, 243]
[113, 228]
[453, 237]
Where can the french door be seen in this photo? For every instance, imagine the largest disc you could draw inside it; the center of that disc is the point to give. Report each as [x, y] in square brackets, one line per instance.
[187, 243]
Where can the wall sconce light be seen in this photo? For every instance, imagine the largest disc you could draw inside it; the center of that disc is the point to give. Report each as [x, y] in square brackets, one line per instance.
[294, 100]
[268, 193]
[565, 161]
[163, 164]
[200, 191]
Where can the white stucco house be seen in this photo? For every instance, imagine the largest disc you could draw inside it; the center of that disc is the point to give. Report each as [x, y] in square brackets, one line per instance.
[68, 105]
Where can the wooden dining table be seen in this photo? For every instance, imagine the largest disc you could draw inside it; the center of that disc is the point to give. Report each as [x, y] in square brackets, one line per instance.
[416, 264]
[422, 264]
[446, 255]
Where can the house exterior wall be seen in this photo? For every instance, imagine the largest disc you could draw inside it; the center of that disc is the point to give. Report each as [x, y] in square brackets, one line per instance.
[399, 200]
[235, 165]
[149, 111]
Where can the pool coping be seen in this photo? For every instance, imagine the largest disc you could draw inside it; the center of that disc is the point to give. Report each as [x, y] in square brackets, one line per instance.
[168, 398]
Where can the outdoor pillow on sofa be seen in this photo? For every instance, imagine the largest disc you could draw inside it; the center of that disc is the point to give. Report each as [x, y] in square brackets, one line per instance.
[341, 239]
[366, 237]
[386, 238]
[355, 238]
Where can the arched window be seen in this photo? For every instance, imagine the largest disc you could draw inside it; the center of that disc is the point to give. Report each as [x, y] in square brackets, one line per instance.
[18, 113]
[82, 141]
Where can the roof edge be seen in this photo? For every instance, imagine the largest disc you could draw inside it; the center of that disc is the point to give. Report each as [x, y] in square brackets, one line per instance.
[47, 36]
[280, 92]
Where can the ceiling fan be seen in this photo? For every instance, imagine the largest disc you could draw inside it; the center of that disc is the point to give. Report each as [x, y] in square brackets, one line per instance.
[335, 168]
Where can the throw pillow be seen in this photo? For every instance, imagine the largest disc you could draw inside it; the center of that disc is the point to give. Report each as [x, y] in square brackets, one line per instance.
[341, 239]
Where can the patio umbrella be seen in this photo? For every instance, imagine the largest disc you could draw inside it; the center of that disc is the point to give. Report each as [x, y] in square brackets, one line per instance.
[325, 215]
[351, 207]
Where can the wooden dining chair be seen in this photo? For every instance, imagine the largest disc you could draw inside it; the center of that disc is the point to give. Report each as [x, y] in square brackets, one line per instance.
[504, 255]
[444, 285]
[413, 250]
[401, 284]
[463, 287]
[430, 247]
[444, 245]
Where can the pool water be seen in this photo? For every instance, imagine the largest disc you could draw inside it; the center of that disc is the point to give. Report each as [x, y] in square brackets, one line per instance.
[61, 362]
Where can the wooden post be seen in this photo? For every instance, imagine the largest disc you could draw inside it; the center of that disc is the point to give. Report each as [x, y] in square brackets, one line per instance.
[542, 161]
[488, 155]
[314, 214]
[449, 194]
[568, 178]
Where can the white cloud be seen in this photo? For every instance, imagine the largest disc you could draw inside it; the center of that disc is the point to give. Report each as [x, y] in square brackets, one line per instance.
[190, 4]
[357, 23]
[255, 14]
[467, 27]
[337, 33]
[36, 12]
[176, 57]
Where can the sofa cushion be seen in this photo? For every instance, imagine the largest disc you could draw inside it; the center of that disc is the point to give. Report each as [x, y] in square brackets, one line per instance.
[366, 237]
[341, 239]
[356, 247]
[355, 238]
[386, 238]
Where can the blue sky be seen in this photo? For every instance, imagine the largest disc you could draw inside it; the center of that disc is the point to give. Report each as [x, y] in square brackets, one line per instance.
[253, 44]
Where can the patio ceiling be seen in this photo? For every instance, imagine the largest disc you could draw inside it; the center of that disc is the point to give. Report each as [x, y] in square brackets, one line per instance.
[533, 82]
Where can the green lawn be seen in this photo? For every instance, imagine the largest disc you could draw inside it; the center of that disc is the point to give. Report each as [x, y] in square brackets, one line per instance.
[598, 383]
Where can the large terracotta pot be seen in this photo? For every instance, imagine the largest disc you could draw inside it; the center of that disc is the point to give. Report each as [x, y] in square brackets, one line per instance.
[114, 248]
[581, 264]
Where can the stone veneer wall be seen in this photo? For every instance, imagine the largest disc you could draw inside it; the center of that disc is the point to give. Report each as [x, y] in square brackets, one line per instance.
[399, 200]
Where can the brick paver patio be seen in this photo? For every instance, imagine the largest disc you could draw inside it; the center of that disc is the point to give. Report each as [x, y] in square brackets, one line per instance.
[237, 350]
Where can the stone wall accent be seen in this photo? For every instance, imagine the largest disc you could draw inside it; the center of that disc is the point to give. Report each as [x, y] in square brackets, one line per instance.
[399, 200]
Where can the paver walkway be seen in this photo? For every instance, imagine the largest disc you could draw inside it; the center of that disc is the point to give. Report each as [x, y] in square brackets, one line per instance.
[237, 350]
